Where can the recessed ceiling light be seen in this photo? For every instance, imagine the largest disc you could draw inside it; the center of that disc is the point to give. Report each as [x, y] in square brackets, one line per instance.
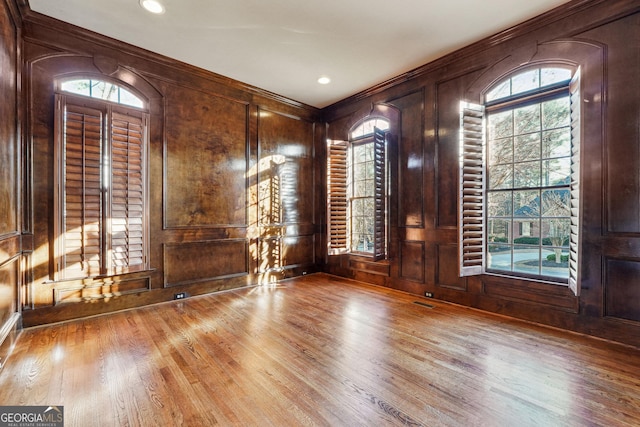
[324, 80]
[153, 6]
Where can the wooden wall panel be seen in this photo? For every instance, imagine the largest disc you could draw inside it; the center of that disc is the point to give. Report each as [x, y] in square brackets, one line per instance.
[103, 289]
[205, 159]
[412, 260]
[8, 132]
[285, 169]
[622, 284]
[193, 262]
[447, 267]
[448, 96]
[298, 251]
[9, 279]
[411, 159]
[10, 177]
[623, 143]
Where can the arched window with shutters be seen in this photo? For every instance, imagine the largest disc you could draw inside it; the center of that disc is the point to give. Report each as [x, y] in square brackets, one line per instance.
[358, 180]
[519, 177]
[100, 198]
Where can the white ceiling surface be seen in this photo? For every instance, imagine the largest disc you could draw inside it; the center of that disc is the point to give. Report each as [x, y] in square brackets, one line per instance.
[283, 46]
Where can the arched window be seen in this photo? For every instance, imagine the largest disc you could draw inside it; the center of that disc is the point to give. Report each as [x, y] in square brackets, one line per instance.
[100, 180]
[519, 177]
[101, 90]
[358, 190]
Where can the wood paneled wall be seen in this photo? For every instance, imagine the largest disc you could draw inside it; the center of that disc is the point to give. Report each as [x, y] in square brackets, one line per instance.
[10, 178]
[595, 35]
[232, 177]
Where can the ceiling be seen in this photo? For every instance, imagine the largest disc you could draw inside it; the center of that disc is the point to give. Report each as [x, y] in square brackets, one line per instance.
[284, 46]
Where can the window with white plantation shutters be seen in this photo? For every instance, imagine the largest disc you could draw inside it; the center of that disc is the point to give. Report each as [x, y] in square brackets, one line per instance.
[100, 188]
[472, 171]
[519, 178]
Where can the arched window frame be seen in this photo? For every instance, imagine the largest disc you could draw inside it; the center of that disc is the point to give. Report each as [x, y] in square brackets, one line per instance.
[342, 195]
[101, 196]
[473, 245]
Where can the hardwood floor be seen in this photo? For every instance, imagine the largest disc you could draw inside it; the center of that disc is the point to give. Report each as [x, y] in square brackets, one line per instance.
[320, 350]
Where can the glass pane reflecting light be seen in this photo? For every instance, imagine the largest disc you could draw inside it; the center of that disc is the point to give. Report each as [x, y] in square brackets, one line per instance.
[102, 90]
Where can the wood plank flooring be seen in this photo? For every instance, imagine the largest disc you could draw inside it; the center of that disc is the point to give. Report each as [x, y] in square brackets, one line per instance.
[320, 350]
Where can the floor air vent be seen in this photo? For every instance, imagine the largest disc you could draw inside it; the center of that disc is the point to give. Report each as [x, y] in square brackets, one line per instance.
[424, 304]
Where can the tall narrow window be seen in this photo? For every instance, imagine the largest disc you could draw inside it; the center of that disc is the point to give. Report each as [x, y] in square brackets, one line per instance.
[100, 180]
[357, 191]
[519, 207]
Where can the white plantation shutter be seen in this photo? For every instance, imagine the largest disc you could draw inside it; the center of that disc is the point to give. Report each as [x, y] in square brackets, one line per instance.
[472, 175]
[576, 134]
[380, 173]
[337, 171]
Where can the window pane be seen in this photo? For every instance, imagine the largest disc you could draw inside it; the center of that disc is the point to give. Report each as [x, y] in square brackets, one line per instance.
[556, 203]
[526, 259]
[556, 113]
[525, 81]
[499, 257]
[498, 231]
[557, 171]
[526, 203]
[526, 174]
[500, 176]
[500, 125]
[359, 188]
[526, 231]
[556, 143]
[501, 151]
[80, 87]
[500, 91]
[527, 147]
[527, 119]
[102, 90]
[499, 204]
[553, 75]
[128, 98]
[366, 128]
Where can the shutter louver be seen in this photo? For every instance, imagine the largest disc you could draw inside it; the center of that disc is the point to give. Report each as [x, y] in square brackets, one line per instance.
[81, 243]
[574, 242]
[337, 194]
[127, 193]
[379, 232]
[471, 210]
